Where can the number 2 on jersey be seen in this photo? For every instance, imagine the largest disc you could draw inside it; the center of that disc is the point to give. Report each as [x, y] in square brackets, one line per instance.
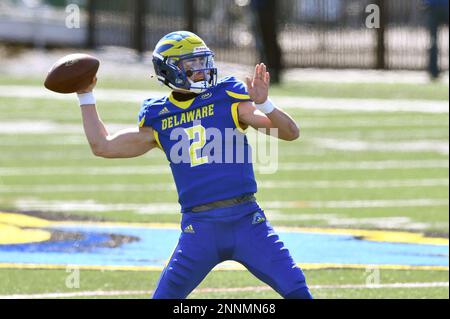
[200, 131]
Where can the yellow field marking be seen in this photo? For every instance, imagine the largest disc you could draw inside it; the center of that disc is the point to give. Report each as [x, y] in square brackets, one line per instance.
[22, 220]
[234, 267]
[361, 266]
[375, 235]
[15, 235]
[119, 224]
[12, 233]
[11, 226]
[370, 235]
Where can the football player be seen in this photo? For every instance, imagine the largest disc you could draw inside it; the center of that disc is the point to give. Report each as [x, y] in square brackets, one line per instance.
[221, 219]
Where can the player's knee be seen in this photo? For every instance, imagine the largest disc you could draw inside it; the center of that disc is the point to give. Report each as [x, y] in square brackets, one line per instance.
[301, 293]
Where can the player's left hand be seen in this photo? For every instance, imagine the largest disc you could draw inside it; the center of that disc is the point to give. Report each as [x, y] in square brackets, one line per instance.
[258, 85]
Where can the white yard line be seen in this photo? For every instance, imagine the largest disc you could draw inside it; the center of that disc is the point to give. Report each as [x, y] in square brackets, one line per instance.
[381, 286]
[356, 183]
[394, 135]
[376, 134]
[98, 293]
[68, 170]
[360, 76]
[308, 103]
[174, 208]
[39, 127]
[362, 105]
[164, 169]
[160, 208]
[101, 293]
[82, 188]
[273, 210]
[365, 165]
[47, 156]
[265, 184]
[48, 127]
[438, 146]
[374, 124]
[340, 220]
[417, 202]
[60, 139]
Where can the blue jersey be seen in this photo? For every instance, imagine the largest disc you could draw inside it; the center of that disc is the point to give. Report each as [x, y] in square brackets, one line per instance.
[208, 151]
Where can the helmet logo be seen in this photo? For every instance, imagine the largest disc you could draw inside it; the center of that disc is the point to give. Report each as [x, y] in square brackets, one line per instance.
[200, 49]
[206, 96]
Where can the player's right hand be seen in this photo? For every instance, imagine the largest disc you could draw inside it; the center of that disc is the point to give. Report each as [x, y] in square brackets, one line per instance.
[90, 87]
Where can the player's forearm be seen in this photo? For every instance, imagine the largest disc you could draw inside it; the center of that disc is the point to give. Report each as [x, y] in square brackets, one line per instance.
[126, 143]
[95, 130]
[287, 128]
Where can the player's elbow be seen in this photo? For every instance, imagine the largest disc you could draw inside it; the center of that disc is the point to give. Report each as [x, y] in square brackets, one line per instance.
[99, 150]
[293, 133]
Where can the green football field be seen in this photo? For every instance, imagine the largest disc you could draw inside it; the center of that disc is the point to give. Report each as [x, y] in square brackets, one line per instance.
[352, 168]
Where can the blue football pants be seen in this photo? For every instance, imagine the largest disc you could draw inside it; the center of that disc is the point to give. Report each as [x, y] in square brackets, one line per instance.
[209, 238]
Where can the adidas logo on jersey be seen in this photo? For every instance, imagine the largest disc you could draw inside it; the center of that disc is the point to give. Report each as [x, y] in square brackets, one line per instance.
[258, 218]
[189, 229]
[164, 111]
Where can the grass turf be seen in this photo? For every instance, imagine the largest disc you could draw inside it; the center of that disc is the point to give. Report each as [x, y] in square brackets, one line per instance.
[428, 91]
[66, 148]
[216, 283]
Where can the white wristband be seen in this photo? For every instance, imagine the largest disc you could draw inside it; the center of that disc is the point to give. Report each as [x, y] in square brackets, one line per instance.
[266, 107]
[86, 98]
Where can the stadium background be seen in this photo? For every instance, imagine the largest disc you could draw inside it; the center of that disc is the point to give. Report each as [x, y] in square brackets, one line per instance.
[373, 153]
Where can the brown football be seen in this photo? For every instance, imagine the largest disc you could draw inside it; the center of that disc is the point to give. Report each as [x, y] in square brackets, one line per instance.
[72, 73]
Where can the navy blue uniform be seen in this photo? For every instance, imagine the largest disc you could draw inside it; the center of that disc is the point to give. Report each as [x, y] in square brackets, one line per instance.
[204, 174]
[202, 177]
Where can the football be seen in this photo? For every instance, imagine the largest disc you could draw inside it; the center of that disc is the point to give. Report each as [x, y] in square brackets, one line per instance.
[72, 73]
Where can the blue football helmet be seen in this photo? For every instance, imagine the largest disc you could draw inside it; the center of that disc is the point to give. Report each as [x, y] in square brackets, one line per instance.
[183, 62]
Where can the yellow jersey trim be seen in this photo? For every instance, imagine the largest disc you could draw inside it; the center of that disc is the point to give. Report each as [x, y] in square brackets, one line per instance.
[235, 114]
[181, 104]
[238, 95]
[141, 123]
[156, 135]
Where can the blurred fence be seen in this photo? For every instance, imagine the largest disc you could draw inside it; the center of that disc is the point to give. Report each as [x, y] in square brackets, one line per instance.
[312, 33]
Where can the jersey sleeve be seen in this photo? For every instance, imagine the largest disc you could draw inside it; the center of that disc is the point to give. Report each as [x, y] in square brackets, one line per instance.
[146, 116]
[236, 90]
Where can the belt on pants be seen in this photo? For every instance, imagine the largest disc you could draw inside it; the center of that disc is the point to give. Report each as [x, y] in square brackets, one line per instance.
[224, 203]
